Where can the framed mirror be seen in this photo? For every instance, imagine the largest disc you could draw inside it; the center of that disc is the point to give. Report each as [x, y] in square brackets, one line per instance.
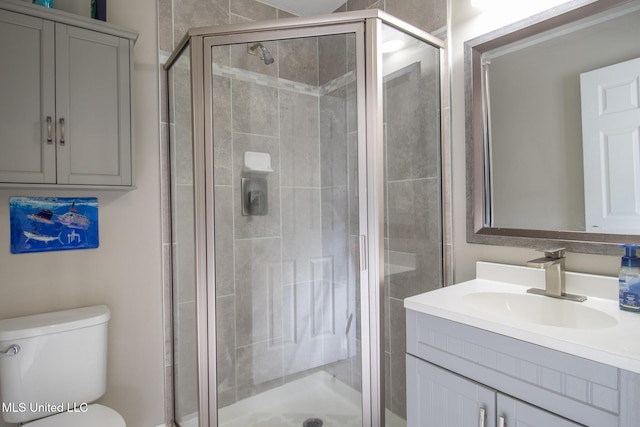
[553, 129]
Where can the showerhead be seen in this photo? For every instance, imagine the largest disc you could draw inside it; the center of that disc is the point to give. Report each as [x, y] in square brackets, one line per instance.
[266, 55]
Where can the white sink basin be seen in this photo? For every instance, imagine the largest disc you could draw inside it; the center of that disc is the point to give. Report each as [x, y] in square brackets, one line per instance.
[497, 301]
[540, 310]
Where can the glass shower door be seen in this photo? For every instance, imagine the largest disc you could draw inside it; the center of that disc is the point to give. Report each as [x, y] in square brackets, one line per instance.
[412, 199]
[285, 195]
[183, 244]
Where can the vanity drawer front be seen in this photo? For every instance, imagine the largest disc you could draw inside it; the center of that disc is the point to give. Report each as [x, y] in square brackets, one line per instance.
[579, 389]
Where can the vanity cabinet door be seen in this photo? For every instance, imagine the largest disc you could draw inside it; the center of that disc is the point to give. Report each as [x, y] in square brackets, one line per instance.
[27, 99]
[92, 107]
[513, 412]
[437, 397]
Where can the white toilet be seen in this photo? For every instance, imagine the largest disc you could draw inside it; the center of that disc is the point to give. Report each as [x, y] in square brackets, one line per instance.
[52, 366]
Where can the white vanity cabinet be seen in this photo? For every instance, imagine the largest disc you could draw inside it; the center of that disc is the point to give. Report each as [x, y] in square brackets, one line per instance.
[455, 372]
[65, 112]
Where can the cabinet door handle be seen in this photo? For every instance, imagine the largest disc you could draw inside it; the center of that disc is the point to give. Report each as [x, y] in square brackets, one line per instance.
[501, 422]
[49, 130]
[61, 131]
[483, 416]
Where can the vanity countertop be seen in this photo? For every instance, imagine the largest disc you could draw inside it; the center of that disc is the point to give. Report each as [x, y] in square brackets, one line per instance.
[617, 345]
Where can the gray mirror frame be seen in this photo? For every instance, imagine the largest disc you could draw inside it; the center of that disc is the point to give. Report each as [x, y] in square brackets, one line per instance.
[477, 161]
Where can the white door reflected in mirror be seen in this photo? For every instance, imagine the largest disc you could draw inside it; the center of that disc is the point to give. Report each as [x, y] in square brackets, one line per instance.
[611, 147]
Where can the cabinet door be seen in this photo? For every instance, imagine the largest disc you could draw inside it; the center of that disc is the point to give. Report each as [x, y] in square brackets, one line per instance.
[437, 397]
[26, 99]
[513, 412]
[93, 107]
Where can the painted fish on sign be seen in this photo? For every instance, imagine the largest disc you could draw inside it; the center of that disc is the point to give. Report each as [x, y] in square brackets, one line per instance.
[42, 224]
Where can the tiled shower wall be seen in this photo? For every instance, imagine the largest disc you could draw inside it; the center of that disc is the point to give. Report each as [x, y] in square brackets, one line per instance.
[324, 198]
[282, 293]
[413, 209]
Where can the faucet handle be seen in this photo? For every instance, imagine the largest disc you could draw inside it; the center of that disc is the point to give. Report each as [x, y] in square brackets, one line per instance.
[556, 253]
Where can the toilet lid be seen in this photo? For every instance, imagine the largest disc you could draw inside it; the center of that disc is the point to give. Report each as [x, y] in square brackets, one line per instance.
[95, 416]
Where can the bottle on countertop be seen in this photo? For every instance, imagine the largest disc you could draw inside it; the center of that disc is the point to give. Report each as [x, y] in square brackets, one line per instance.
[629, 280]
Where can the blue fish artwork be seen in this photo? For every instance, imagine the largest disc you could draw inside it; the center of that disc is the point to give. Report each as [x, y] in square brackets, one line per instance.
[43, 224]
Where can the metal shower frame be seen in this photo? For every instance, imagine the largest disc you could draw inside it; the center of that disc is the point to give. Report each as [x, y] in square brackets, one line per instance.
[367, 27]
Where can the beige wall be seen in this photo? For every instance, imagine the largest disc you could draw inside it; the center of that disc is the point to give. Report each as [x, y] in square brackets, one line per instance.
[468, 23]
[125, 271]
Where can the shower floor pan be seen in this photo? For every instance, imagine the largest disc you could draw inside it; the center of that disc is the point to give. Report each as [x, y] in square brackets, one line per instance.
[316, 396]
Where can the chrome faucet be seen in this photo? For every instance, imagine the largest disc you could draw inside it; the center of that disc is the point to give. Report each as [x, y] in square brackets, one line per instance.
[553, 264]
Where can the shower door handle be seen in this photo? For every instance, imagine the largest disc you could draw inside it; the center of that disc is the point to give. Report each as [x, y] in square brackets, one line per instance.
[363, 252]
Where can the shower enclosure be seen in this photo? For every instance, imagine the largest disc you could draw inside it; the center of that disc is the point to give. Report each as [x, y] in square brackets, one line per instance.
[305, 190]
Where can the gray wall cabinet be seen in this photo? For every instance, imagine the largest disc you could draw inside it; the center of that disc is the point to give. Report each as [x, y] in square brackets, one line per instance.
[65, 115]
[456, 371]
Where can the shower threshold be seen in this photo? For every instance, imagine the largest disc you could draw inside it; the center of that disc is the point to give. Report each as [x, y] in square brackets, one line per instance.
[319, 396]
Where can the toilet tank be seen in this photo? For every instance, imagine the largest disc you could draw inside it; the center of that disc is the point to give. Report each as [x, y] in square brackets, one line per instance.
[61, 363]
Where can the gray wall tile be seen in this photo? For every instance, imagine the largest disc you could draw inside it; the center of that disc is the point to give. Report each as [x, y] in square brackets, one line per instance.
[258, 291]
[335, 237]
[419, 13]
[226, 334]
[165, 25]
[412, 148]
[259, 368]
[185, 372]
[198, 13]
[254, 108]
[184, 257]
[222, 133]
[300, 151]
[415, 229]
[298, 60]
[333, 134]
[301, 230]
[332, 59]
[224, 262]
